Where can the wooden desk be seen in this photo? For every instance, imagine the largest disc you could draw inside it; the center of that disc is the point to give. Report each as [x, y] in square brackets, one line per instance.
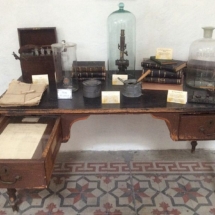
[185, 122]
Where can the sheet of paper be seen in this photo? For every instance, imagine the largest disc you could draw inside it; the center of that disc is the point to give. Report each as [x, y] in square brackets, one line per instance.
[20, 140]
[116, 81]
[164, 53]
[38, 79]
[110, 97]
[177, 96]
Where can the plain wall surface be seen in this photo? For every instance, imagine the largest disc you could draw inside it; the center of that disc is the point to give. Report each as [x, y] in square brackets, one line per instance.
[159, 23]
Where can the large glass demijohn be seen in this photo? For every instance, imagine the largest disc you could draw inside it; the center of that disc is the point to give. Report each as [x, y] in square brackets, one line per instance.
[121, 41]
[200, 73]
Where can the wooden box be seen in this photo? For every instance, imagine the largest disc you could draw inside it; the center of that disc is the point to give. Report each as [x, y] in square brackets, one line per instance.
[35, 52]
[27, 155]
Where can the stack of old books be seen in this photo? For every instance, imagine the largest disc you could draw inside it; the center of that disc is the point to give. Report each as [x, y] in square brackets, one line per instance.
[164, 71]
[90, 70]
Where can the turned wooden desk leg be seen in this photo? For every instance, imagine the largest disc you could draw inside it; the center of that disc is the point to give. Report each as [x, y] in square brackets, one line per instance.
[193, 144]
[12, 198]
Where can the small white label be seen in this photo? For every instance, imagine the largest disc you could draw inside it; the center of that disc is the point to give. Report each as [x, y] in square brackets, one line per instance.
[40, 79]
[30, 119]
[64, 93]
[164, 53]
[116, 81]
[112, 97]
[177, 96]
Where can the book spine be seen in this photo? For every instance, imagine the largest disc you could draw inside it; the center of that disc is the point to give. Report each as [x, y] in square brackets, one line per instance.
[97, 78]
[91, 74]
[156, 66]
[90, 68]
[163, 80]
[159, 73]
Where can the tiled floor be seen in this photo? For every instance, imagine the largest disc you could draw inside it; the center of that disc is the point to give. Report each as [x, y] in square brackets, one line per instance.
[124, 183]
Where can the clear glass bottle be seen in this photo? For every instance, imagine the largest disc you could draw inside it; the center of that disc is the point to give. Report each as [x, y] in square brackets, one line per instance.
[200, 73]
[65, 61]
[121, 41]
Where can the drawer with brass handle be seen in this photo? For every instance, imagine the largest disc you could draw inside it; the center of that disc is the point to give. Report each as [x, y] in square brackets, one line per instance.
[29, 146]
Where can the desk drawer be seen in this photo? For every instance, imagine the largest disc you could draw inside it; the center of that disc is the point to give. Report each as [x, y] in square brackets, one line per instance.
[29, 146]
[197, 127]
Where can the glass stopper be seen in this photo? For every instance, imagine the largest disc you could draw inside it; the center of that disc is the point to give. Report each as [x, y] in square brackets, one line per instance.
[208, 32]
[121, 6]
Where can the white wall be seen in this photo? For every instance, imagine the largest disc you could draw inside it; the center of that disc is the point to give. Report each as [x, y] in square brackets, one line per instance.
[160, 23]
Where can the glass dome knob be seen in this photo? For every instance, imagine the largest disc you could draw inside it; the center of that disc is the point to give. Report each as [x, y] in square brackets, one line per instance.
[121, 6]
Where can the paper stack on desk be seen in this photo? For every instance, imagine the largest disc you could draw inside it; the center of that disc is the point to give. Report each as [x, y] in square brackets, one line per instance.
[19, 147]
[22, 94]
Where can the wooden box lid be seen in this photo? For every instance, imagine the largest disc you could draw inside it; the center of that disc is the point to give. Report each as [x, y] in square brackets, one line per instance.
[37, 36]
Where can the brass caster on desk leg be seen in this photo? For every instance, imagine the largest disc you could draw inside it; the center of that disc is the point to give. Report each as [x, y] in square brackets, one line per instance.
[193, 144]
[12, 198]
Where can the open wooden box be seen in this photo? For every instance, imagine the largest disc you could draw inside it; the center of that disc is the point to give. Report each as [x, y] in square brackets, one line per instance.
[35, 52]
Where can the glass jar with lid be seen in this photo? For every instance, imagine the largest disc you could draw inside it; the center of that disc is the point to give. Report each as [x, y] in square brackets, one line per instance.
[200, 72]
[121, 41]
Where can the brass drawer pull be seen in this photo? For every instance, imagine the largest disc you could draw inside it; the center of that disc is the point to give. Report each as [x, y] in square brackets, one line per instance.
[11, 182]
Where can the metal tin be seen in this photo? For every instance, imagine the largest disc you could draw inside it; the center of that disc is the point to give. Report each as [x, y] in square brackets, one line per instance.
[132, 88]
[91, 88]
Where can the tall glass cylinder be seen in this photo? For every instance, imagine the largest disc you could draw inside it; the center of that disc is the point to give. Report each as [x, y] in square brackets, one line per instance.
[65, 61]
[121, 41]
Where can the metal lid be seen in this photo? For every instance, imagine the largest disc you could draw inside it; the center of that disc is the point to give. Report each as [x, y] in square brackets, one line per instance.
[63, 45]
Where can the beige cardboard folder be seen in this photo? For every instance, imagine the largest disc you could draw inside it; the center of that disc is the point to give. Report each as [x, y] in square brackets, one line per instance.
[22, 94]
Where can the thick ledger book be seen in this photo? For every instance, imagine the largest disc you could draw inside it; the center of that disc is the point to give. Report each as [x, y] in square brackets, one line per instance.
[161, 73]
[163, 62]
[147, 63]
[90, 66]
[163, 80]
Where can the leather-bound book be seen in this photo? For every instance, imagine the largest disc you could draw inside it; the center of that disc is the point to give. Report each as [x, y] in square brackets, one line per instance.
[147, 63]
[90, 66]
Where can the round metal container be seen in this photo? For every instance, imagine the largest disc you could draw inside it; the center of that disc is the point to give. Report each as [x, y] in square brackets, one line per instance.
[132, 89]
[91, 88]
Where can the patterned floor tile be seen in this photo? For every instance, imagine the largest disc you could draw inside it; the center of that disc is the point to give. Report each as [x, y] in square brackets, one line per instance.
[153, 180]
[169, 180]
[120, 188]
[81, 192]
[118, 182]
[122, 202]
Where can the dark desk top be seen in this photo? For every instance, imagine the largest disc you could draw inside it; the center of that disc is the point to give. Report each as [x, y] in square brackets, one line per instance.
[151, 101]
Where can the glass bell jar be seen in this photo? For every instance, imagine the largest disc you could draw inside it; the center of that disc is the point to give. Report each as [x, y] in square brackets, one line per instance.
[65, 61]
[121, 42]
[200, 72]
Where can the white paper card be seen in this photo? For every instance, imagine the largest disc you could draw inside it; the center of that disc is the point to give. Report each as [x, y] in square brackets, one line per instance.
[164, 53]
[116, 81]
[64, 93]
[20, 140]
[177, 96]
[110, 97]
[38, 79]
